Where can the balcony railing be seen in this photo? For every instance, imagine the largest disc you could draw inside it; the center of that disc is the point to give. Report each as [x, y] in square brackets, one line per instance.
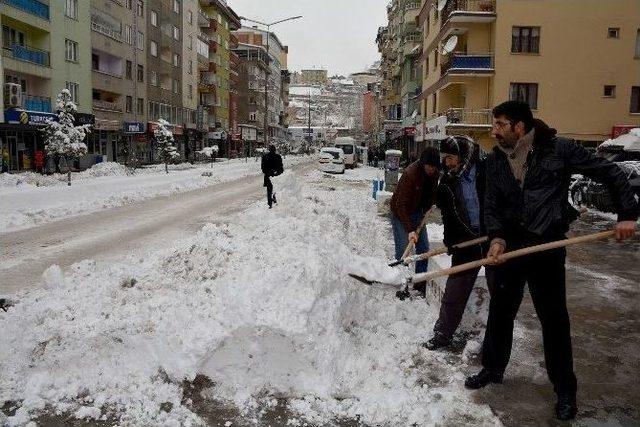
[107, 31]
[463, 64]
[106, 105]
[33, 7]
[467, 6]
[37, 103]
[467, 116]
[28, 54]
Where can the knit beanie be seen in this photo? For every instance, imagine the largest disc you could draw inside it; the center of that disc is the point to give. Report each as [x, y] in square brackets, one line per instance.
[430, 157]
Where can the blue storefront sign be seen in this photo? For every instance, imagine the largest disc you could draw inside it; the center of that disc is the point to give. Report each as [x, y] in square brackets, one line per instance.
[132, 128]
[28, 117]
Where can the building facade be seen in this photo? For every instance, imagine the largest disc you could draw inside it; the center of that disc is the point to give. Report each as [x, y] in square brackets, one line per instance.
[480, 53]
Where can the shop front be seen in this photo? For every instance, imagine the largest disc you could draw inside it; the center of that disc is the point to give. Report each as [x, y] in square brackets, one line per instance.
[22, 140]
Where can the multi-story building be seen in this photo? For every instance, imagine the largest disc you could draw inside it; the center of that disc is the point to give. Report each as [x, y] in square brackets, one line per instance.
[311, 77]
[218, 20]
[191, 18]
[275, 119]
[44, 49]
[479, 53]
[118, 65]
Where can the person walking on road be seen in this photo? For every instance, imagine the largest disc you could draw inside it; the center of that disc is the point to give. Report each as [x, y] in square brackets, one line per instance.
[271, 166]
[526, 203]
[412, 199]
[460, 198]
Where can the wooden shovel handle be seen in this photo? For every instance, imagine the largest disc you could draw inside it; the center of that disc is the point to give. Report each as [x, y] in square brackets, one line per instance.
[444, 250]
[511, 255]
[410, 246]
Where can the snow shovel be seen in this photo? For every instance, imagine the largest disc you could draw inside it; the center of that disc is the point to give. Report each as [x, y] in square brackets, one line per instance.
[423, 277]
[439, 251]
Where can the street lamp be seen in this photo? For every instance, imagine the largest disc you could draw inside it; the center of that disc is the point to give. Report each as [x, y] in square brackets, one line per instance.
[266, 80]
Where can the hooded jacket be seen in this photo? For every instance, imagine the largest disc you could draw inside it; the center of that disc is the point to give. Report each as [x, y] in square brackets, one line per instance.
[415, 192]
[540, 210]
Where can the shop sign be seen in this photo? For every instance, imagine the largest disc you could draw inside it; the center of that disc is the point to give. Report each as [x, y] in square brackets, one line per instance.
[436, 128]
[419, 134]
[409, 131]
[28, 117]
[131, 128]
[80, 119]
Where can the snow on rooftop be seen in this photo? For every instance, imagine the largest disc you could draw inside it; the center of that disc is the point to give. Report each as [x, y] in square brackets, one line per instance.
[305, 90]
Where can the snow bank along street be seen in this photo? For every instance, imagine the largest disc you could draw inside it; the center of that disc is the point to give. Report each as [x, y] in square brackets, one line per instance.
[260, 303]
[28, 199]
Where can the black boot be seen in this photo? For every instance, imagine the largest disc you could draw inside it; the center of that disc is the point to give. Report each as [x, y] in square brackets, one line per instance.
[438, 341]
[421, 288]
[481, 379]
[403, 294]
[566, 406]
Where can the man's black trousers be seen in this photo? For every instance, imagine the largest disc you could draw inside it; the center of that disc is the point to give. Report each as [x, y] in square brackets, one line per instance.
[269, 185]
[545, 275]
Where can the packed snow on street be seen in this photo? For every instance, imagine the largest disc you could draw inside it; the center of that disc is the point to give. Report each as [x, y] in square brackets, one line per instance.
[28, 199]
[260, 303]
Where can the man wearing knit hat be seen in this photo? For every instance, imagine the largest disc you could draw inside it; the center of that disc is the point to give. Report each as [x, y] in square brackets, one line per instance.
[460, 197]
[414, 196]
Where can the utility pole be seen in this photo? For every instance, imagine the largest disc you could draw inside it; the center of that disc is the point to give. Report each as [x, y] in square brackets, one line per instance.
[309, 134]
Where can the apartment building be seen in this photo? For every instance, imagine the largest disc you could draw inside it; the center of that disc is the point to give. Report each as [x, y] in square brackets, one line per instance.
[219, 20]
[43, 52]
[277, 52]
[478, 53]
[118, 65]
[311, 77]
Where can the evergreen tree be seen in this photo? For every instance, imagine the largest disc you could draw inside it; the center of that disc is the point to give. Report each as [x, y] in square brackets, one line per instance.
[166, 150]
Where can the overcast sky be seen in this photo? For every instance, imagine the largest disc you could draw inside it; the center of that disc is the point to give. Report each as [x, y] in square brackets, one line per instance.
[338, 35]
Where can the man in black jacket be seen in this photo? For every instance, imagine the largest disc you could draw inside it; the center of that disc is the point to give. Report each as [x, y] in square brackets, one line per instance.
[271, 166]
[460, 197]
[526, 203]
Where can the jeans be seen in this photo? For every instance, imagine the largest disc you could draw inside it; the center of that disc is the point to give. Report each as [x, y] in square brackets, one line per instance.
[401, 239]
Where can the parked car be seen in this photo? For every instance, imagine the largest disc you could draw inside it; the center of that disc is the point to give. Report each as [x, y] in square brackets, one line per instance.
[331, 160]
[625, 152]
[348, 146]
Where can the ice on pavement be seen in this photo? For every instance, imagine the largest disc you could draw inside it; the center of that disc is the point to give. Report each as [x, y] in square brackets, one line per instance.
[260, 302]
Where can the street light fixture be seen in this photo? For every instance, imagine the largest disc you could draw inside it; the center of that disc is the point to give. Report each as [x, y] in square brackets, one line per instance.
[266, 80]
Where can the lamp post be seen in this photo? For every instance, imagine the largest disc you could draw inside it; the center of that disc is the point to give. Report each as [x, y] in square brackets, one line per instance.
[266, 79]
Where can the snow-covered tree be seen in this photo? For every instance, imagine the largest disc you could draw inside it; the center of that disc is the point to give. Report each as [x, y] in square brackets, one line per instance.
[209, 152]
[166, 150]
[62, 137]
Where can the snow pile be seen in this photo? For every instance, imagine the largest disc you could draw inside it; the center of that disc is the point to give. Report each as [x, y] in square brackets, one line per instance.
[261, 304]
[362, 173]
[105, 169]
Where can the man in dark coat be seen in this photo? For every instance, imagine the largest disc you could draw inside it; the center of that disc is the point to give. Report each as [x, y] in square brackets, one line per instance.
[413, 197]
[526, 203]
[271, 166]
[460, 197]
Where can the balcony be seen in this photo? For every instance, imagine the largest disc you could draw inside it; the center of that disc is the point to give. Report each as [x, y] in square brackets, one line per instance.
[466, 117]
[37, 103]
[203, 19]
[106, 30]
[106, 106]
[469, 11]
[467, 64]
[33, 7]
[27, 54]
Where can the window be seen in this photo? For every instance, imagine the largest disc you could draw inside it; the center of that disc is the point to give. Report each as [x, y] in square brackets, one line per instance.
[525, 92]
[73, 89]
[154, 48]
[71, 9]
[153, 78]
[140, 40]
[140, 106]
[525, 40]
[190, 17]
[176, 60]
[176, 33]
[613, 33]
[638, 44]
[634, 108]
[190, 69]
[176, 86]
[128, 34]
[128, 70]
[12, 36]
[609, 91]
[154, 18]
[190, 91]
[129, 104]
[140, 73]
[71, 50]
[434, 104]
[140, 8]
[189, 42]
[176, 6]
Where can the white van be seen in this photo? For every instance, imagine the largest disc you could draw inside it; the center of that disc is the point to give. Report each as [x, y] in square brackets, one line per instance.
[331, 160]
[348, 146]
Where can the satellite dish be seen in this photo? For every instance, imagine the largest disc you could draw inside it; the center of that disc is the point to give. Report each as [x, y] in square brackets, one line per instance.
[450, 45]
[441, 5]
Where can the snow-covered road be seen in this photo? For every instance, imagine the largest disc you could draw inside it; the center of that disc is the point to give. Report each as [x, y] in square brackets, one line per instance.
[106, 235]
